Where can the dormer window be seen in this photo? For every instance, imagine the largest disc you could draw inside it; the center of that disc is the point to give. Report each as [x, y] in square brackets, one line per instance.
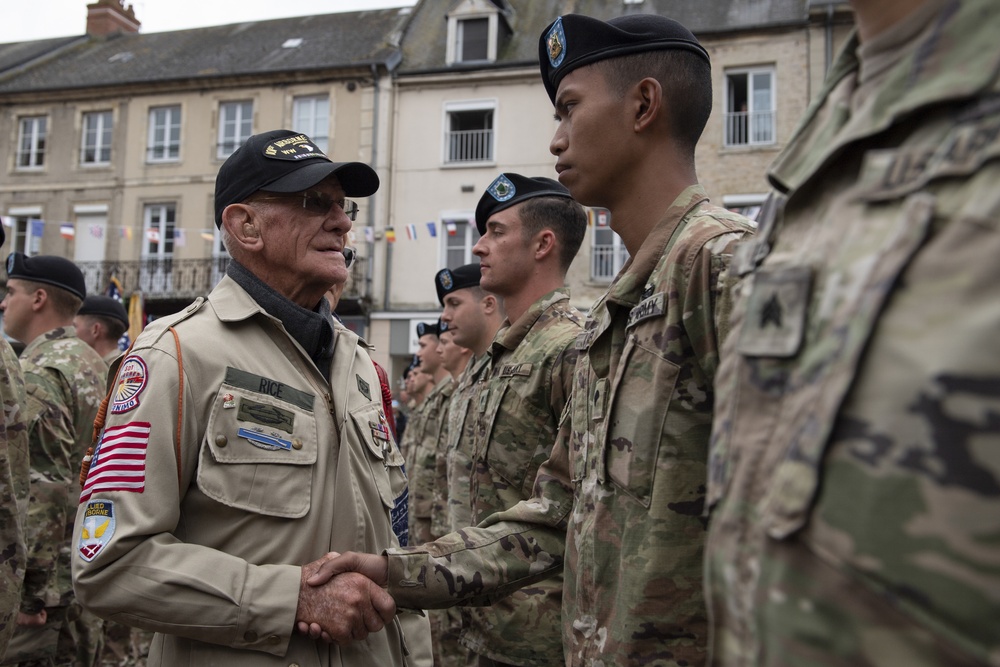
[477, 30]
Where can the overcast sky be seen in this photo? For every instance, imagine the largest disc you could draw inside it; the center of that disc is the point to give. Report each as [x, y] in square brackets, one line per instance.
[40, 19]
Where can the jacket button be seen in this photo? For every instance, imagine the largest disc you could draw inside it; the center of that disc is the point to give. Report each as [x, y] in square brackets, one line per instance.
[221, 441]
[250, 636]
[274, 639]
[296, 443]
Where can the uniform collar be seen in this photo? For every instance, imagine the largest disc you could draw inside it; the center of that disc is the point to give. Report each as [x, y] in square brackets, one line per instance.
[945, 65]
[511, 334]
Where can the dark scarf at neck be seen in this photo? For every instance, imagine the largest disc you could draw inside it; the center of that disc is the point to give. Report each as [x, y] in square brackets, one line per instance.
[312, 329]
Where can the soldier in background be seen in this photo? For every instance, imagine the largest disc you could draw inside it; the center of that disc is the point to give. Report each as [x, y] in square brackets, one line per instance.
[619, 503]
[13, 487]
[427, 435]
[855, 470]
[65, 382]
[531, 229]
[472, 317]
[100, 323]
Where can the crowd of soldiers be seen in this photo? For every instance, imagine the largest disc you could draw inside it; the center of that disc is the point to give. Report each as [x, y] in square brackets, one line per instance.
[764, 446]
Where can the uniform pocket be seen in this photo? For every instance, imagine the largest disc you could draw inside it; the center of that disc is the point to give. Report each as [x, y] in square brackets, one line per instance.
[258, 454]
[638, 411]
[384, 456]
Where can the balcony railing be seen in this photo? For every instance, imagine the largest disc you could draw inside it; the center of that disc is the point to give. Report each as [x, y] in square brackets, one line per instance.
[749, 128]
[469, 146]
[182, 278]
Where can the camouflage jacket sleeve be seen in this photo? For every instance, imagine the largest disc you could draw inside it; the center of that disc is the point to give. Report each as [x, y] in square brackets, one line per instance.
[51, 438]
[13, 490]
[509, 550]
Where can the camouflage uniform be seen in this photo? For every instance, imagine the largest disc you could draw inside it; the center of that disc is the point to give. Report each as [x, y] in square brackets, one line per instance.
[855, 471]
[528, 385]
[426, 438]
[13, 490]
[621, 496]
[65, 382]
[461, 431]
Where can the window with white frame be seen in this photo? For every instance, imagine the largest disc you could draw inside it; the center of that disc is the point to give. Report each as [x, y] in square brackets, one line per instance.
[95, 142]
[31, 142]
[461, 234]
[469, 135]
[472, 39]
[164, 139]
[311, 116]
[235, 126]
[607, 252]
[159, 225]
[747, 205]
[26, 229]
[750, 104]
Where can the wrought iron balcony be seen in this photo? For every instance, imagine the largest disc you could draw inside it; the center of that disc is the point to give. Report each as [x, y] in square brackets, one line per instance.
[184, 279]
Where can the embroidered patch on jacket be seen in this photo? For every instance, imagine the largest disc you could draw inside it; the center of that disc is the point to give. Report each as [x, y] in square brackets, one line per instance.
[119, 462]
[97, 529]
[363, 387]
[132, 379]
[653, 306]
[265, 415]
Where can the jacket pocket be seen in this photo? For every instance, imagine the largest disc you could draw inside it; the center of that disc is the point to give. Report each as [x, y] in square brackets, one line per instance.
[639, 405]
[258, 454]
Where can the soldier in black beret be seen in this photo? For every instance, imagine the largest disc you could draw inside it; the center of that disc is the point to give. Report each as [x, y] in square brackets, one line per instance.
[65, 382]
[101, 322]
[619, 503]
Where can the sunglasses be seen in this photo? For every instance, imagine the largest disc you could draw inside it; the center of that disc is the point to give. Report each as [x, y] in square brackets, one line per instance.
[319, 203]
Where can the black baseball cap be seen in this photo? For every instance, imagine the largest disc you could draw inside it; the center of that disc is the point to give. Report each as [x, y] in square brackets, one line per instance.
[47, 269]
[284, 161]
[105, 306]
[574, 40]
[447, 281]
[509, 188]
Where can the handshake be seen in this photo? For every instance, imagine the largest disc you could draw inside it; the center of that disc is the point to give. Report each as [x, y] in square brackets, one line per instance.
[342, 599]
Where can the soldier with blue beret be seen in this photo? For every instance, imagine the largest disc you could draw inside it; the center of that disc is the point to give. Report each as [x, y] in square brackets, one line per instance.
[64, 382]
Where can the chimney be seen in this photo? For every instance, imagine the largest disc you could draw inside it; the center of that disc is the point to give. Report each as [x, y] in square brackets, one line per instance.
[106, 17]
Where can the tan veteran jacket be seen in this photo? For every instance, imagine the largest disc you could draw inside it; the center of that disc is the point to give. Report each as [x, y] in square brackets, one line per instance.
[275, 469]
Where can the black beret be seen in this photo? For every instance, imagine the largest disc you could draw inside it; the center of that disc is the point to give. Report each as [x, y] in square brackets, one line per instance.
[449, 280]
[425, 328]
[574, 40]
[3, 234]
[284, 161]
[105, 306]
[47, 269]
[508, 189]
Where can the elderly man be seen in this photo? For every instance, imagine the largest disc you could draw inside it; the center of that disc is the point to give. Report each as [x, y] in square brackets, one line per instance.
[64, 382]
[246, 439]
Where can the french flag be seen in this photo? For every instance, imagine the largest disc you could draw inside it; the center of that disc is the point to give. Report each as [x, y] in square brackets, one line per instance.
[119, 464]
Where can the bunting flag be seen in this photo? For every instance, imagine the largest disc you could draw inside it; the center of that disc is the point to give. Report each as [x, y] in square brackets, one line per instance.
[411, 232]
[208, 236]
[390, 234]
[369, 235]
[432, 229]
[37, 228]
[451, 227]
[97, 231]
[602, 217]
[67, 230]
[153, 235]
[127, 233]
[180, 238]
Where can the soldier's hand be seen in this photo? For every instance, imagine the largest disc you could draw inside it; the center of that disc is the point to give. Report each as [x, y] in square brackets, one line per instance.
[344, 609]
[372, 566]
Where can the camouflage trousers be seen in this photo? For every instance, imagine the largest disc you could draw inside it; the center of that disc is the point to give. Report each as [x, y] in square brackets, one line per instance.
[446, 627]
[124, 646]
[71, 637]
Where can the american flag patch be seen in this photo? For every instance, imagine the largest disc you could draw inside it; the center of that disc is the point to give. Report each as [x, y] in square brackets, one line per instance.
[119, 464]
